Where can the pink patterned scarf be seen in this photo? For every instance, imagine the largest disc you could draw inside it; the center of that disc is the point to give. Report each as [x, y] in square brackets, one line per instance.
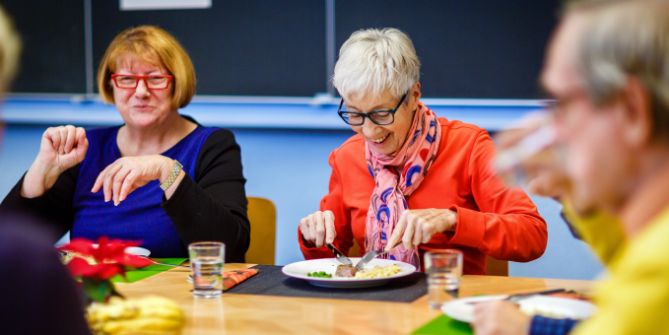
[388, 198]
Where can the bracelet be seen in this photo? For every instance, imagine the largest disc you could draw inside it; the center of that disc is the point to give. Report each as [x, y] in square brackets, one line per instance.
[173, 176]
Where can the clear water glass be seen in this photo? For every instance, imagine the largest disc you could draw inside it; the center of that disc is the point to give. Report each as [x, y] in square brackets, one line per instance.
[534, 147]
[444, 270]
[206, 260]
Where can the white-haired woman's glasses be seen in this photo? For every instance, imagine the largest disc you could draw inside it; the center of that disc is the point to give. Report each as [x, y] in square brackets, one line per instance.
[380, 117]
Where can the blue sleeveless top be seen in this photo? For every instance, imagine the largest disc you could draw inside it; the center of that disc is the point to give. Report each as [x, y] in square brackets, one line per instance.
[140, 217]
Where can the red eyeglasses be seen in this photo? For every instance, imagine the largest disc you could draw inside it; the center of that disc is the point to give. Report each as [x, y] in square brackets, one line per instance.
[130, 81]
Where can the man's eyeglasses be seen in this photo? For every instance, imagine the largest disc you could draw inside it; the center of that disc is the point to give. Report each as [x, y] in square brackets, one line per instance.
[380, 117]
[130, 81]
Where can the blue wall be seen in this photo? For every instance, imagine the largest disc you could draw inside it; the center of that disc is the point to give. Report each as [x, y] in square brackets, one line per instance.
[284, 151]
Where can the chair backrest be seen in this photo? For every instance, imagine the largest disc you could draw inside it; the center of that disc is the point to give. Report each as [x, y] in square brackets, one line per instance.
[496, 267]
[262, 216]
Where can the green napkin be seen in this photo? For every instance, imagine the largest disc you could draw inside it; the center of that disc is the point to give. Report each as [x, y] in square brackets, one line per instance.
[143, 273]
[444, 325]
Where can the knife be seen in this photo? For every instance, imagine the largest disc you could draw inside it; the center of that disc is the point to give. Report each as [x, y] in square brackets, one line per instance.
[367, 258]
[520, 296]
[515, 298]
[339, 255]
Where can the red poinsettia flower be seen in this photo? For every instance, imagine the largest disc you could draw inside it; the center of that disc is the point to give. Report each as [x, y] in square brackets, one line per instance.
[102, 260]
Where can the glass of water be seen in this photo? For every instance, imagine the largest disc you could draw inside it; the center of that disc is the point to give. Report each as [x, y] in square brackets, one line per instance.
[206, 261]
[444, 269]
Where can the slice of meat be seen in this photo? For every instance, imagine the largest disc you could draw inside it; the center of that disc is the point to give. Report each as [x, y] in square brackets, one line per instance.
[345, 271]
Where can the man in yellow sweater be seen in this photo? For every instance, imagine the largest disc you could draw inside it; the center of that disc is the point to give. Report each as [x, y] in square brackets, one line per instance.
[608, 70]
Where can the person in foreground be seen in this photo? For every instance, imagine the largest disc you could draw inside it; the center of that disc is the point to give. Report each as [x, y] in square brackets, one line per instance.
[160, 178]
[409, 177]
[608, 69]
[38, 294]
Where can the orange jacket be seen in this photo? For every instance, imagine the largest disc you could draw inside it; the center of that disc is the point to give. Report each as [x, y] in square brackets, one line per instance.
[492, 219]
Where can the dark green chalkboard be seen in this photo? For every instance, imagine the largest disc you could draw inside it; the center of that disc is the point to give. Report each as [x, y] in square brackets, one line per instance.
[469, 49]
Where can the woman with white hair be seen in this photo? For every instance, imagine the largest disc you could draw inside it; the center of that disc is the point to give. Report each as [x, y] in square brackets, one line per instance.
[411, 177]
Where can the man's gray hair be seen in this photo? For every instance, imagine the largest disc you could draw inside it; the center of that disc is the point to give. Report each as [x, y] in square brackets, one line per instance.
[628, 39]
[372, 61]
[10, 45]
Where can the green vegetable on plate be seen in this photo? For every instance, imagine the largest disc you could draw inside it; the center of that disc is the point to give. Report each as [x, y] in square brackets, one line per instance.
[319, 274]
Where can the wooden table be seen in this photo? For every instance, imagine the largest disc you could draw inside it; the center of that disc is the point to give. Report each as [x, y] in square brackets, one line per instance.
[262, 314]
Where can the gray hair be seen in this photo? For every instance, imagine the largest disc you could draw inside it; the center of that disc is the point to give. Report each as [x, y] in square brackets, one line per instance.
[372, 61]
[628, 39]
[10, 45]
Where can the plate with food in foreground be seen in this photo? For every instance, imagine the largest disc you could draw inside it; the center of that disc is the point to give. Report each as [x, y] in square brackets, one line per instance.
[328, 272]
[553, 307]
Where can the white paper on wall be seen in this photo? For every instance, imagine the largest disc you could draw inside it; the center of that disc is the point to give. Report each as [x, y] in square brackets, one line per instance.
[163, 4]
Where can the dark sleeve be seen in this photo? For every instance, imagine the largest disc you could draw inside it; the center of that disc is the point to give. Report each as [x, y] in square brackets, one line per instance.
[53, 207]
[38, 294]
[548, 326]
[572, 230]
[213, 206]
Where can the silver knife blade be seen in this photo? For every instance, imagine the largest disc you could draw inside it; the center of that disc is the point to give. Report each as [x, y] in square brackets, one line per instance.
[339, 255]
[368, 258]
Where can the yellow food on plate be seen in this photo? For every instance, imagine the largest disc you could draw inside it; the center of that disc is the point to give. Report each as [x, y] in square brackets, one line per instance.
[379, 272]
[143, 316]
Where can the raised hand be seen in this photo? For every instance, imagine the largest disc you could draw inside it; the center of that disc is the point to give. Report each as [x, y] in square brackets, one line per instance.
[500, 318]
[60, 149]
[318, 228]
[530, 148]
[417, 226]
[127, 174]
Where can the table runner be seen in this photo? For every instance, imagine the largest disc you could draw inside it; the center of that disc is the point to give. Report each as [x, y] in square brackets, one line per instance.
[271, 281]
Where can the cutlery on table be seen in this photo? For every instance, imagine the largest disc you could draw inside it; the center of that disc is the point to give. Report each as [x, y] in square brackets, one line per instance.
[520, 296]
[166, 264]
[367, 258]
[339, 255]
[514, 298]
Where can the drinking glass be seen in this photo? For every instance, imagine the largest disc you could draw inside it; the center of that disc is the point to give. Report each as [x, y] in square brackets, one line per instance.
[206, 259]
[444, 270]
[531, 152]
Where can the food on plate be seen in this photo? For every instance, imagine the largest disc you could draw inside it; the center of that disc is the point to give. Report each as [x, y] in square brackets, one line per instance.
[319, 274]
[345, 271]
[570, 294]
[379, 272]
[147, 315]
[349, 271]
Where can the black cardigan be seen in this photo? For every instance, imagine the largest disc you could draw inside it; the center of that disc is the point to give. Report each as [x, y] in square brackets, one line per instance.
[210, 207]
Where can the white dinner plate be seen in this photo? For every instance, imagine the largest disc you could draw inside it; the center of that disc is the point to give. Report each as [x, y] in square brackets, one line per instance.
[463, 309]
[300, 269]
[139, 251]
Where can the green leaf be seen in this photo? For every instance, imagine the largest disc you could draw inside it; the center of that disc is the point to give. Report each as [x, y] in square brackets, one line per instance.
[97, 290]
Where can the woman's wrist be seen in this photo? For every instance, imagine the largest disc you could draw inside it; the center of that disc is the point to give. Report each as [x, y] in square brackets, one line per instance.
[39, 179]
[166, 165]
[171, 176]
[451, 221]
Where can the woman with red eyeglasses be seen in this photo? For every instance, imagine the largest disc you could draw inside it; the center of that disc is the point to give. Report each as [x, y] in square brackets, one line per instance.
[161, 177]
